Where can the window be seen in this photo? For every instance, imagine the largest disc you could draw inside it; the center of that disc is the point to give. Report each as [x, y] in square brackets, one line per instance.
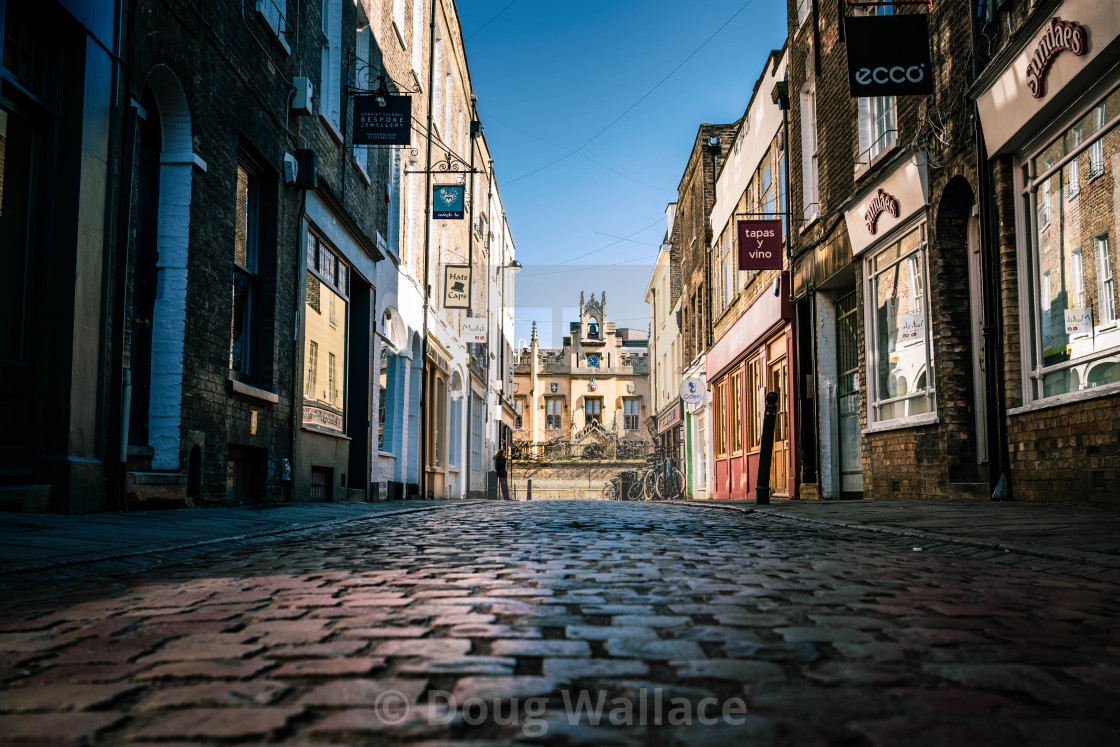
[1107, 289]
[810, 200]
[1044, 205]
[553, 412]
[327, 296]
[312, 367]
[274, 13]
[362, 73]
[728, 282]
[1070, 316]
[330, 71]
[476, 434]
[899, 348]
[1074, 181]
[717, 408]
[398, 17]
[735, 419]
[383, 398]
[437, 78]
[877, 128]
[593, 410]
[519, 412]
[246, 284]
[393, 189]
[803, 7]
[630, 413]
[754, 397]
[1077, 277]
[1096, 150]
[417, 37]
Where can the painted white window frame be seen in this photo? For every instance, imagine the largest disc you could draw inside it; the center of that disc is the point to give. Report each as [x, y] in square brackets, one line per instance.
[810, 195]
[870, 326]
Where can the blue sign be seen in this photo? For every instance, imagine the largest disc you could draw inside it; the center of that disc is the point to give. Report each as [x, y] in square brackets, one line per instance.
[554, 387]
[447, 201]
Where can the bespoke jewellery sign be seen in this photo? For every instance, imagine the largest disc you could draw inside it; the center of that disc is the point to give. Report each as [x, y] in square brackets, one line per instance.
[377, 124]
[880, 203]
[760, 244]
[888, 55]
[457, 286]
[474, 329]
[447, 201]
[1059, 36]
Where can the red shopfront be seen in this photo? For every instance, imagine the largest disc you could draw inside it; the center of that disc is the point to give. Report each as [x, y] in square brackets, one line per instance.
[754, 357]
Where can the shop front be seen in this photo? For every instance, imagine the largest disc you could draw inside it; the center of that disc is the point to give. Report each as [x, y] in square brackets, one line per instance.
[670, 431]
[335, 440]
[1050, 114]
[753, 358]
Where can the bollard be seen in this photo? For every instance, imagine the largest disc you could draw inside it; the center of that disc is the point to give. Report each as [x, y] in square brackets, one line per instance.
[762, 489]
[529, 489]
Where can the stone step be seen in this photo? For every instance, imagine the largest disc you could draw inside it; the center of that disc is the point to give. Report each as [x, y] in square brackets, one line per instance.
[28, 499]
[156, 489]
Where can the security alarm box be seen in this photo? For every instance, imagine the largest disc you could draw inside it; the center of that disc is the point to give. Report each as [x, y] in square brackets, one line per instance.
[301, 101]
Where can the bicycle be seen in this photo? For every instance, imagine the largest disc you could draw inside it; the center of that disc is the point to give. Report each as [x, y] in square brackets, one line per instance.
[609, 492]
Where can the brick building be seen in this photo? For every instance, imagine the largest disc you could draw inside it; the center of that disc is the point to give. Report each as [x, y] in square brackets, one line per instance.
[691, 240]
[886, 279]
[1048, 99]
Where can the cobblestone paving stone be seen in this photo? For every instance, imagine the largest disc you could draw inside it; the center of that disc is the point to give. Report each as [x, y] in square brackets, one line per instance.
[495, 623]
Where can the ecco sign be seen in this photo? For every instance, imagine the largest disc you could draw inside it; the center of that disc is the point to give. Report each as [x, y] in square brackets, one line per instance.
[888, 55]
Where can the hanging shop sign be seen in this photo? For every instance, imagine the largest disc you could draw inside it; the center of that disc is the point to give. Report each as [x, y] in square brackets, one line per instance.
[456, 286]
[668, 418]
[474, 329]
[447, 201]
[760, 244]
[888, 55]
[1060, 36]
[693, 391]
[380, 119]
[880, 203]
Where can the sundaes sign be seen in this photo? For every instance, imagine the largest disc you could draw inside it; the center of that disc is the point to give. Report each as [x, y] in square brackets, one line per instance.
[1059, 37]
[879, 203]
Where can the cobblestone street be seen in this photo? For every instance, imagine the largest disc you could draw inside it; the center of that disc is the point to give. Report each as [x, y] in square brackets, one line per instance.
[558, 622]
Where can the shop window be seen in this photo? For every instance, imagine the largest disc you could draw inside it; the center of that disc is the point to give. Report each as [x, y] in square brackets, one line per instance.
[754, 394]
[324, 325]
[1071, 317]
[719, 399]
[630, 413]
[553, 413]
[899, 347]
[476, 434]
[735, 416]
[593, 409]
[383, 398]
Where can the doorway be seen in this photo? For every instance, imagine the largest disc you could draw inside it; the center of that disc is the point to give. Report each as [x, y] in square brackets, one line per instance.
[847, 366]
[777, 376]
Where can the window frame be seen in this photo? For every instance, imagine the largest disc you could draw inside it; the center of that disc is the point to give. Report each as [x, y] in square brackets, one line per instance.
[876, 400]
[588, 415]
[1034, 167]
[735, 407]
[554, 421]
[631, 420]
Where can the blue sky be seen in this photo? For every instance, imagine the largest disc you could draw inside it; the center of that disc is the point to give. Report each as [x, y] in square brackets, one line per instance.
[586, 198]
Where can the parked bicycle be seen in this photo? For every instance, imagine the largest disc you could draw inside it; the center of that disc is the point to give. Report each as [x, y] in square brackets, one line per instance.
[660, 480]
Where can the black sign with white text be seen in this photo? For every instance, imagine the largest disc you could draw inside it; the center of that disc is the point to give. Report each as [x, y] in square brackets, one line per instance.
[888, 55]
[375, 124]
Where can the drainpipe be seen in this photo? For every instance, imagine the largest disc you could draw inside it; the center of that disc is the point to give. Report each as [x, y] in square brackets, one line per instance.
[427, 260]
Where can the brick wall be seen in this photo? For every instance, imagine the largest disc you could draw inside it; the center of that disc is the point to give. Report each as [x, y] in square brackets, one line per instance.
[236, 78]
[1067, 453]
